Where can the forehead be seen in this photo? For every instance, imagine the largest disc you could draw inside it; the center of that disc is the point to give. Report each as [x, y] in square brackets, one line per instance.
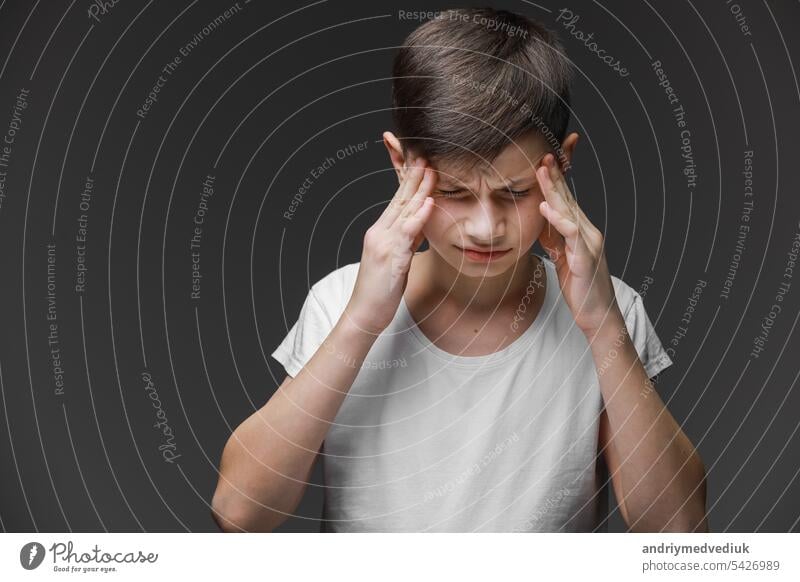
[519, 158]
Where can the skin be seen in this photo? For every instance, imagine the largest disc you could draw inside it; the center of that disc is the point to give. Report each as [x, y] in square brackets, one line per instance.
[657, 475]
[268, 459]
[467, 307]
[483, 214]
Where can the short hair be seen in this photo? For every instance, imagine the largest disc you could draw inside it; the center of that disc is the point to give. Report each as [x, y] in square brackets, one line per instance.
[470, 80]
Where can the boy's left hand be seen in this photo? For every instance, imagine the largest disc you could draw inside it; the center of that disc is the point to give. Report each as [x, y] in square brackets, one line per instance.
[576, 248]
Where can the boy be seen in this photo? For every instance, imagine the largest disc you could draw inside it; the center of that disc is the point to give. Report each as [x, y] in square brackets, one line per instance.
[474, 386]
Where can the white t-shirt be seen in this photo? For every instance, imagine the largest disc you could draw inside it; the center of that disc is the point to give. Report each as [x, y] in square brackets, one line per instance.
[429, 441]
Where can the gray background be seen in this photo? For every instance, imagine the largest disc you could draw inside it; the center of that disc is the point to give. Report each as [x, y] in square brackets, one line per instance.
[259, 103]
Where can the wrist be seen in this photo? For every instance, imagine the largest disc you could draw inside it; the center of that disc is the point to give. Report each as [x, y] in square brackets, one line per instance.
[611, 329]
[356, 326]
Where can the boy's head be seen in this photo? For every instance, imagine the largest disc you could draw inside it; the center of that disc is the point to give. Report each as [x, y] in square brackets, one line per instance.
[482, 95]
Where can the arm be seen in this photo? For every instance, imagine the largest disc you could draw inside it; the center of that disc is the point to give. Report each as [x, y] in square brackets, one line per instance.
[657, 475]
[268, 459]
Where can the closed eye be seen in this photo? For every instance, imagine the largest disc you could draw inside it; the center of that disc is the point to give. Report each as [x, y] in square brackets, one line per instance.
[450, 192]
[519, 193]
[516, 193]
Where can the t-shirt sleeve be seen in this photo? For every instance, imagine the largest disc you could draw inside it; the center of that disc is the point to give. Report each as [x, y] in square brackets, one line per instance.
[652, 354]
[306, 335]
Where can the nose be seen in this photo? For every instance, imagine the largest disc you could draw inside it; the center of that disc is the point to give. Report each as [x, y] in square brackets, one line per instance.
[484, 223]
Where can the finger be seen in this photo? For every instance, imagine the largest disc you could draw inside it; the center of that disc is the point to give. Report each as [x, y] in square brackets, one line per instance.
[559, 197]
[394, 207]
[408, 187]
[565, 203]
[565, 226]
[412, 226]
[424, 190]
[552, 186]
[574, 238]
[550, 238]
[563, 189]
[557, 253]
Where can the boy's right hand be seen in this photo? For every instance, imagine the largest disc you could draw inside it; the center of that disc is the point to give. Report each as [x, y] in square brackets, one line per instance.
[389, 247]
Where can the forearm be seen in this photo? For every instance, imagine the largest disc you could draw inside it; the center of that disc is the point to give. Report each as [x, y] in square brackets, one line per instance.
[268, 459]
[662, 476]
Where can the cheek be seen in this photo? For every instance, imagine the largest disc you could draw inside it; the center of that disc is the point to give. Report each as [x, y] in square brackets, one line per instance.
[526, 218]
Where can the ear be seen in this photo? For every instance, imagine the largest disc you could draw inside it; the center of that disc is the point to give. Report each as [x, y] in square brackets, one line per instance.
[568, 148]
[396, 155]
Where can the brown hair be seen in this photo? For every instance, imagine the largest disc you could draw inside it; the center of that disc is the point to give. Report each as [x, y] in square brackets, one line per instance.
[470, 80]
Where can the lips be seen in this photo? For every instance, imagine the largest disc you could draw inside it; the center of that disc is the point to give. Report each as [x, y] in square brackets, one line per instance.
[482, 255]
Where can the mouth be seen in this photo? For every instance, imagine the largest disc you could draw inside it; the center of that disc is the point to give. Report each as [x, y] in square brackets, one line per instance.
[480, 256]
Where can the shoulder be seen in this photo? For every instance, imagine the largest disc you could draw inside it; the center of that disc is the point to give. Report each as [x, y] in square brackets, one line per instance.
[333, 291]
[649, 347]
[627, 296]
[339, 279]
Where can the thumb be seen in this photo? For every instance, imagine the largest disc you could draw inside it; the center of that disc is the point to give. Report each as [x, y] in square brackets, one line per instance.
[552, 242]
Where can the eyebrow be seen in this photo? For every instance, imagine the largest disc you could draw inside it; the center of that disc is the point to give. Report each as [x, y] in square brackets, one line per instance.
[457, 182]
[519, 180]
